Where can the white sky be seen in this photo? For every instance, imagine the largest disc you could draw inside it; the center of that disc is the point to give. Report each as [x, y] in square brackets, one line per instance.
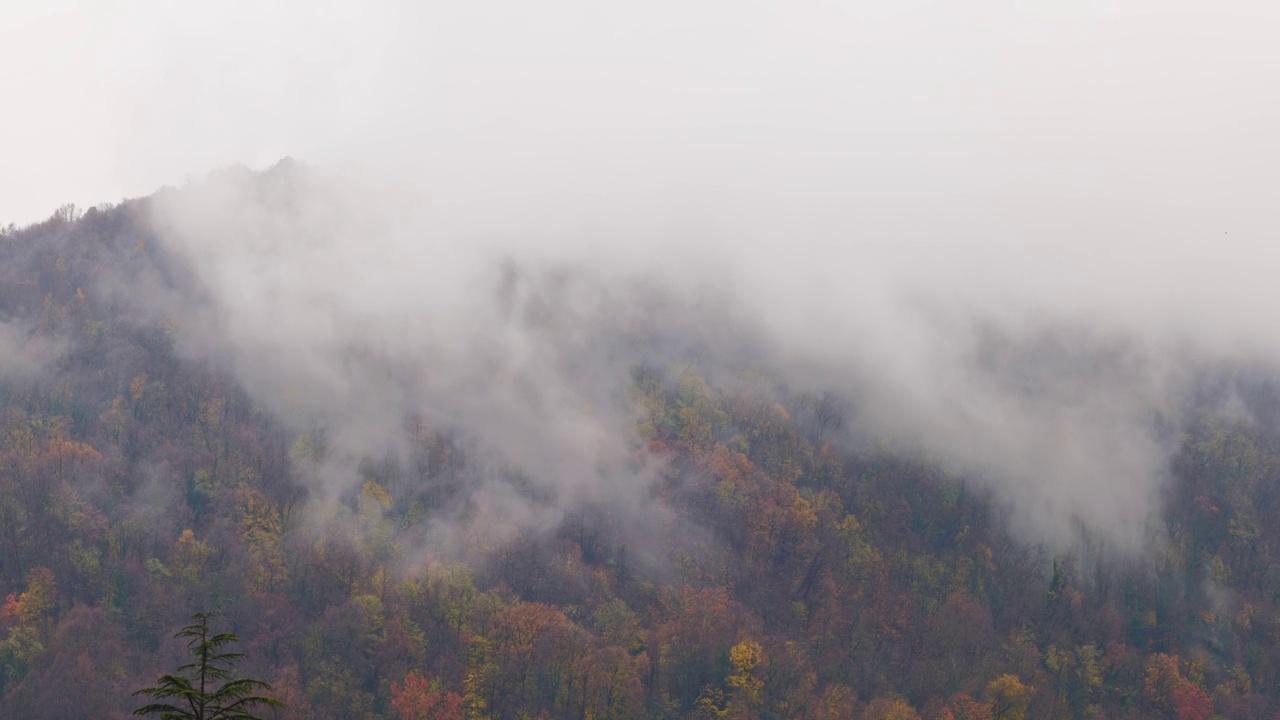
[1164, 101]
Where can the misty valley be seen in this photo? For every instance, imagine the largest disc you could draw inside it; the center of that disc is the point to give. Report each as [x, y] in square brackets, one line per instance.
[426, 479]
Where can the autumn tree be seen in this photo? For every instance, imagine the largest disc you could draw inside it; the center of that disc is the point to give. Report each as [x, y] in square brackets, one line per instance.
[27, 618]
[745, 658]
[890, 709]
[183, 697]
[964, 707]
[1008, 698]
[419, 699]
[1169, 694]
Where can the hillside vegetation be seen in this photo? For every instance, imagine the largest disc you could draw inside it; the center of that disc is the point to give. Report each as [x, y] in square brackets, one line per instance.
[787, 571]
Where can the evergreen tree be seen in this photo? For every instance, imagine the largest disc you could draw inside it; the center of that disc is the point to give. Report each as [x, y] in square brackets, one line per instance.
[189, 695]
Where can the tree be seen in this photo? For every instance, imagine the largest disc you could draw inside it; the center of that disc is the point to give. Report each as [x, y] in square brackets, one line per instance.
[1169, 694]
[189, 698]
[419, 699]
[964, 707]
[1009, 697]
[890, 709]
[745, 657]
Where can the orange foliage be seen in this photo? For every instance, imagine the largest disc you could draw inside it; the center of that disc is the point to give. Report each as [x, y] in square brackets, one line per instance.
[1169, 694]
[418, 699]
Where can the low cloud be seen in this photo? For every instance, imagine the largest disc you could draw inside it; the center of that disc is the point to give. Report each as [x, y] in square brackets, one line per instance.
[1057, 370]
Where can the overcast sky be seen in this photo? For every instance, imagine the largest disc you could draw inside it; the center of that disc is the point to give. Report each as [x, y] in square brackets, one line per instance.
[1164, 101]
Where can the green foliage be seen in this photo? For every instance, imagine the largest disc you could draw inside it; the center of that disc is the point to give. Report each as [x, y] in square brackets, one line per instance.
[17, 653]
[204, 689]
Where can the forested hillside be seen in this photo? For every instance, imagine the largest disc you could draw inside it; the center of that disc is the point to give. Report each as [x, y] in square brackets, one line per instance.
[782, 568]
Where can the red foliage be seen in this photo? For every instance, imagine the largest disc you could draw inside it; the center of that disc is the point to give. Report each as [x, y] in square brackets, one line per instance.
[1191, 703]
[418, 699]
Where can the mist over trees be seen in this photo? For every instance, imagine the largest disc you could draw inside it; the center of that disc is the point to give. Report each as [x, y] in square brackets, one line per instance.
[418, 481]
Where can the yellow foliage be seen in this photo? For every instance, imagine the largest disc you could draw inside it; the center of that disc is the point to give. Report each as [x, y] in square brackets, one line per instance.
[20, 441]
[374, 491]
[67, 453]
[189, 553]
[802, 511]
[306, 448]
[837, 703]
[213, 412]
[261, 530]
[1008, 698]
[38, 598]
[113, 419]
[709, 704]
[93, 331]
[746, 658]
[781, 413]
[138, 387]
[890, 709]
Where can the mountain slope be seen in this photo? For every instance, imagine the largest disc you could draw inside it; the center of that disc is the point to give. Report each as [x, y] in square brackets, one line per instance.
[738, 549]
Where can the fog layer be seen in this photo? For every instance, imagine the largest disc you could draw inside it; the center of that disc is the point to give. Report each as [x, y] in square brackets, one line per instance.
[1057, 369]
[1013, 237]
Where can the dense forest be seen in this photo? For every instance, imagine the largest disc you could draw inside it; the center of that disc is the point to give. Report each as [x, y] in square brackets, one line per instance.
[785, 571]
